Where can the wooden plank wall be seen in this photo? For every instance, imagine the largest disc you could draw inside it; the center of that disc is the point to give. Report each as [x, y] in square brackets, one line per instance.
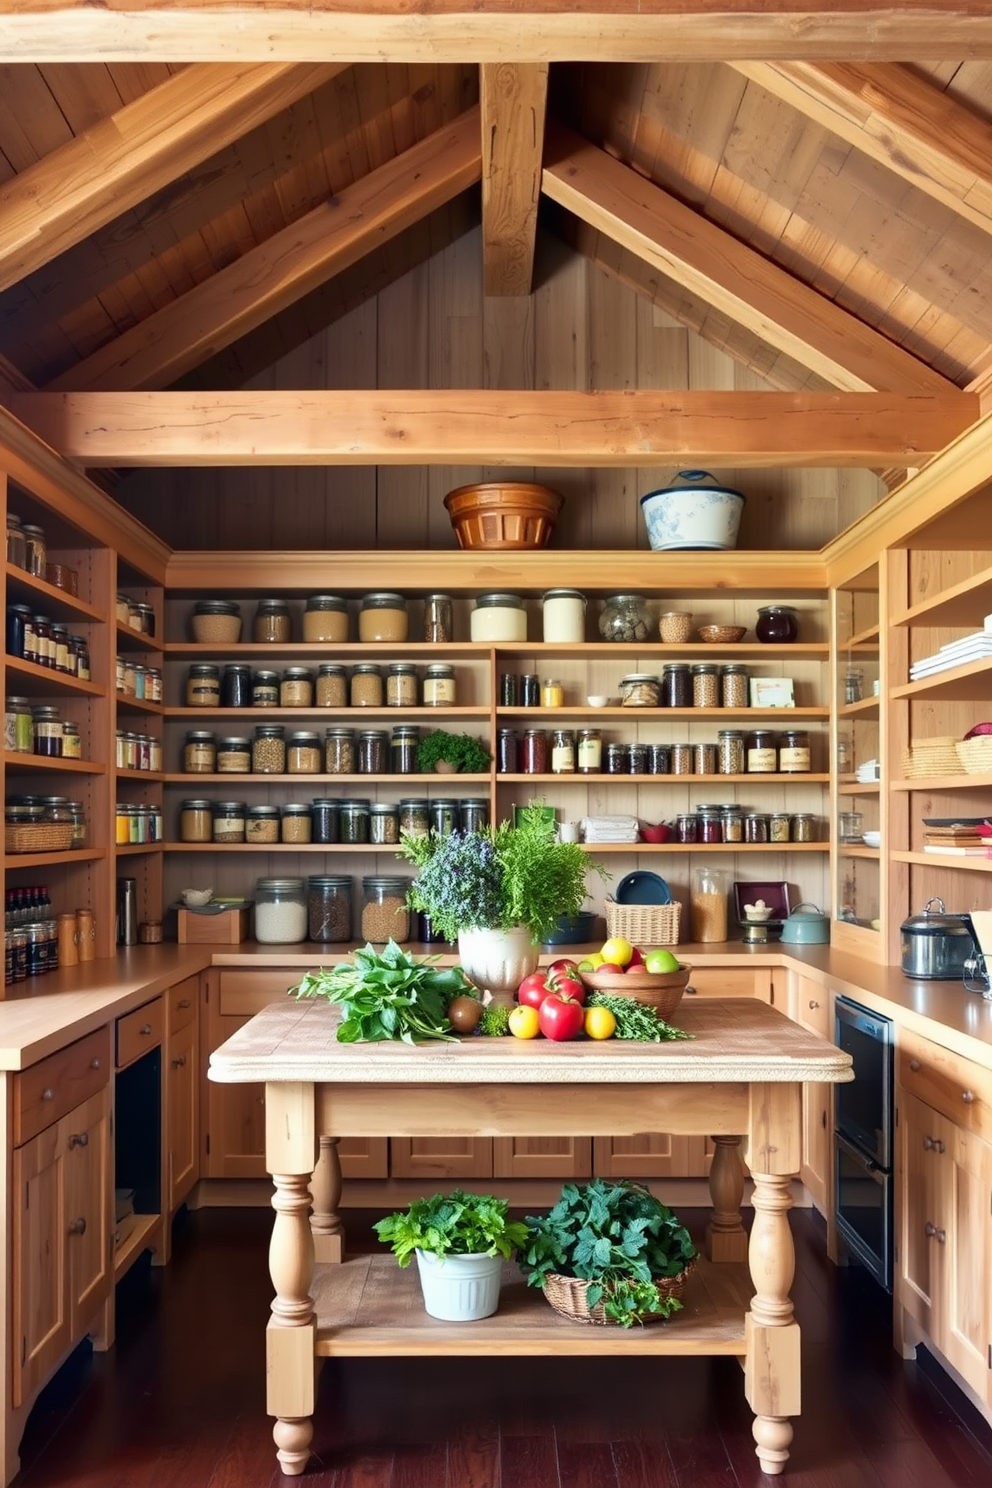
[434, 328]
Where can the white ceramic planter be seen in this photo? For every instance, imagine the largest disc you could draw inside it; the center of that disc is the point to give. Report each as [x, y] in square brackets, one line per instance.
[460, 1288]
[497, 960]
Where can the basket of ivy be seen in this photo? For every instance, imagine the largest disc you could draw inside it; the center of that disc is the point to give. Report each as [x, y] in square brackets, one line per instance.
[609, 1252]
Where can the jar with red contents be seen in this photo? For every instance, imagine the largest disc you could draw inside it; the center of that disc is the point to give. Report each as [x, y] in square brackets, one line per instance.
[535, 755]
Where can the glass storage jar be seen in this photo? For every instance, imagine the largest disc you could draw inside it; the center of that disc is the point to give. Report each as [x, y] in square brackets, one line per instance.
[16, 546]
[296, 688]
[733, 685]
[272, 624]
[552, 693]
[280, 911]
[383, 617]
[530, 690]
[681, 759]
[366, 686]
[704, 759]
[339, 751]
[563, 613]
[473, 814]
[303, 754]
[294, 822]
[233, 756]
[676, 685]
[195, 821]
[18, 726]
[373, 752]
[709, 824]
[325, 813]
[203, 686]
[401, 685]
[354, 823]
[438, 618]
[637, 759]
[262, 824]
[705, 685]
[36, 553]
[329, 908]
[384, 822]
[440, 690]
[793, 752]
[80, 826]
[761, 752]
[563, 752]
[384, 912]
[415, 820]
[229, 821]
[265, 689]
[325, 619]
[507, 751]
[498, 617]
[778, 826]
[625, 617]
[47, 728]
[777, 624]
[686, 827]
[443, 813]
[403, 749]
[803, 827]
[659, 759]
[755, 827]
[730, 752]
[708, 904]
[268, 749]
[854, 685]
[535, 756]
[640, 690]
[589, 751]
[82, 649]
[509, 689]
[153, 682]
[732, 821]
[331, 689]
[215, 621]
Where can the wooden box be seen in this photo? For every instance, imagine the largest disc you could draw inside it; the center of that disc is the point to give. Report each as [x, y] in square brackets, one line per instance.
[230, 927]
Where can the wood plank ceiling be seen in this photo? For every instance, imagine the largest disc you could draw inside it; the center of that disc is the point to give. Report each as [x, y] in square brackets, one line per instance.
[181, 226]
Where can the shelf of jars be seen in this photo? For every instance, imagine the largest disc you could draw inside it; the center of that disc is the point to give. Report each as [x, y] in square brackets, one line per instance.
[60, 604]
[29, 764]
[38, 681]
[746, 849]
[662, 715]
[664, 650]
[142, 777]
[233, 779]
[217, 715]
[127, 704]
[54, 859]
[597, 778]
[129, 639]
[865, 708]
[200, 651]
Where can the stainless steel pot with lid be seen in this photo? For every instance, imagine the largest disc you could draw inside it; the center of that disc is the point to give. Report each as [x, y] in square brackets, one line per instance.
[935, 944]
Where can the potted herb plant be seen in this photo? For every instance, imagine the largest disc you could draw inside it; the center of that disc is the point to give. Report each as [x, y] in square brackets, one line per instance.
[461, 1241]
[499, 893]
[451, 754]
[609, 1252]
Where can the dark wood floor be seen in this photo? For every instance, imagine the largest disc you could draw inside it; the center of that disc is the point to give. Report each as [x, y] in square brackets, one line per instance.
[179, 1402]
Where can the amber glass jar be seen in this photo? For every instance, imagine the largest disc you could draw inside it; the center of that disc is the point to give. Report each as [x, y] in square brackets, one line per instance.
[761, 752]
[272, 623]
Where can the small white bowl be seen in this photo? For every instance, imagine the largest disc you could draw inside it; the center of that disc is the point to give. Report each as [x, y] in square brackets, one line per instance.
[757, 916]
[597, 700]
[196, 898]
[871, 839]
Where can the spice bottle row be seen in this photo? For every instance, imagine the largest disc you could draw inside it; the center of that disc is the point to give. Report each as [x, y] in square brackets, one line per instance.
[37, 638]
[366, 685]
[327, 820]
[143, 683]
[39, 730]
[584, 752]
[680, 684]
[274, 750]
[731, 822]
[38, 940]
[137, 825]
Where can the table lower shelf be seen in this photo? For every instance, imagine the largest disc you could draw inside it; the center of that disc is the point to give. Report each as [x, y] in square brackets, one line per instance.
[368, 1306]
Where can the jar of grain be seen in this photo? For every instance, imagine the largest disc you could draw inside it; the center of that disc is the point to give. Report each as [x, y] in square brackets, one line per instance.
[262, 824]
[401, 685]
[203, 686]
[675, 627]
[355, 821]
[535, 757]
[339, 751]
[802, 827]
[272, 623]
[733, 685]
[439, 686]
[659, 759]
[507, 751]
[705, 686]
[17, 551]
[303, 755]
[296, 688]
[295, 824]
[366, 686]
[383, 617]
[564, 616]
[265, 690]
[233, 756]
[708, 904]
[778, 827]
[438, 618]
[326, 619]
[681, 759]
[331, 689]
[268, 749]
[280, 911]
[373, 752]
[756, 827]
[133, 615]
[730, 752]
[639, 690]
[146, 617]
[329, 908]
[229, 821]
[676, 685]
[403, 749]
[384, 912]
[552, 693]
[732, 818]
[195, 821]
[384, 822]
[415, 820]
[498, 617]
[637, 759]
[325, 814]
[704, 759]
[216, 621]
[36, 552]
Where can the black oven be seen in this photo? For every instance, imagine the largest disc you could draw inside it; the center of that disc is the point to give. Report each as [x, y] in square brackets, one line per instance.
[863, 1139]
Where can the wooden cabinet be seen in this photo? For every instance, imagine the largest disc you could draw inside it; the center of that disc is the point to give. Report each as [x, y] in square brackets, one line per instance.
[430, 1158]
[812, 1010]
[182, 1092]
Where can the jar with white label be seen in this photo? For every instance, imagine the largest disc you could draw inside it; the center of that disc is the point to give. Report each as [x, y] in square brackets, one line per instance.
[761, 753]
[229, 821]
[793, 752]
[563, 612]
[497, 618]
[563, 752]
[440, 690]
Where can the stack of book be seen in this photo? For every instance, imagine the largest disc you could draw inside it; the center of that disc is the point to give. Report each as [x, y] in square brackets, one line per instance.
[958, 838]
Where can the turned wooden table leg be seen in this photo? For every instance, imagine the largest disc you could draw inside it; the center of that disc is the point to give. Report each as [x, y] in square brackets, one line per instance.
[290, 1156]
[725, 1236]
[325, 1221]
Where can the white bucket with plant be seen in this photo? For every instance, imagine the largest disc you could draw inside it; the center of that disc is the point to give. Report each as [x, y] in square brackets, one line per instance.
[461, 1241]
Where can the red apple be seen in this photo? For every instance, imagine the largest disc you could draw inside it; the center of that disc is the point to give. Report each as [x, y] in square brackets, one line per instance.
[636, 958]
[612, 967]
[564, 963]
[560, 1017]
[569, 983]
[533, 990]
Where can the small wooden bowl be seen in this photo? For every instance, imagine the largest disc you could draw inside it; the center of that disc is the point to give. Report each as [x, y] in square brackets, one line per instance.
[722, 635]
[661, 991]
[503, 514]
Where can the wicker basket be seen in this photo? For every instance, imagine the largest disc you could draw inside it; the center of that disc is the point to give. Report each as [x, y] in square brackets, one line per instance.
[644, 924]
[567, 1295]
[32, 837]
[503, 514]
[975, 754]
[931, 757]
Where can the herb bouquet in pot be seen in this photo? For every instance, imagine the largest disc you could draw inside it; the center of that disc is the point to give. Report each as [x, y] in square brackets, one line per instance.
[460, 1241]
[499, 893]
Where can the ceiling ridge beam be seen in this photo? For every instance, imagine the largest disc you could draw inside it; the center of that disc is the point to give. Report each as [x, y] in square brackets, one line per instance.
[736, 280]
[108, 169]
[450, 427]
[513, 100]
[897, 118]
[290, 264]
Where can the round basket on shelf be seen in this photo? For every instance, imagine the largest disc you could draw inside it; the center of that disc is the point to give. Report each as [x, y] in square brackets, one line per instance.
[567, 1295]
[661, 991]
[503, 514]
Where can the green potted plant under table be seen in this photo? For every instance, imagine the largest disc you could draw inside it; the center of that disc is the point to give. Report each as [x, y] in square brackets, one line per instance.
[461, 1241]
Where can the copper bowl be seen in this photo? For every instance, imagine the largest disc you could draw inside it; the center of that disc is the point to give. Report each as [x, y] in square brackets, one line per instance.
[503, 514]
[660, 990]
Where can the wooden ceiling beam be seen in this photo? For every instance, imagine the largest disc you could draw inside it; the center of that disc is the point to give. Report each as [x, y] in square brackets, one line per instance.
[438, 31]
[126, 158]
[513, 101]
[734, 279]
[419, 427]
[899, 119]
[289, 265]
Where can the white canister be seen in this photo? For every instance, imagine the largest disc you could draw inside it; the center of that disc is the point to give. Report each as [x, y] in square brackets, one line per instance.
[497, 618]
[564, 613]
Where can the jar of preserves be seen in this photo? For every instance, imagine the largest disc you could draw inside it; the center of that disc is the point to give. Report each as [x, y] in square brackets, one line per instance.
[401, 685]
[47, 723]
[438, 618]
[563, 752]
[325, 619]
[384, 822]
[403, 749]
[339, 751]
[730, 752]
[82, 649]
[265, 690]
[373, 752]
[681, 759]
[18, 726]
[44, 642]
[659, 759]
[563, 614]
[268, 749]
[615, 759]
[760, 752]
[589, 751]
[704, 759]
[18, 625]
[296, 688]
[303, 754]
[195, 821]
[534, 754]
[325, 814]
[625, 617]
[272, 624]
[440, 690]
[229, 819]
[733, 685]
[793, 752]
[732, 820]
[777, 624]
[354, 821]
[294, 822]
[507, 751]
[384, 912]
[415, 818]
[473, 815]
[802, 827]
[640, 690]
[331, 690]
[778, 826]
[35, 549]
[676, 685]
[637, 759]
[366, 686]
[498, 617]
[443, 814]
[329, 908]
[383, 617]
[709, 824]
[203, 686]
[262, 824]
[755, 827]
[280, 911]
[686, 827]
[705, 685]
[552, 693]
[233, 756]
[60, 639]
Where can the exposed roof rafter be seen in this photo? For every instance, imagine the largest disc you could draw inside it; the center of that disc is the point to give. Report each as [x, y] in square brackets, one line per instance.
[513, 101]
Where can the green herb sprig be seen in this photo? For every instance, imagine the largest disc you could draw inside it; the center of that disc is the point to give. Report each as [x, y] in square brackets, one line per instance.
[495, 1021]
[388, 995]
[452, 1224]
[634, 1020]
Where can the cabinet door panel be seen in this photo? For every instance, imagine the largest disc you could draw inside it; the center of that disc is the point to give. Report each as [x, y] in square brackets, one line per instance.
[965, 1254]
[88, 1210]
[441, 1157]
[234, 1135]
[730, 981]
[542, 1157]
[647, 1155]
[918, 1208]
[41, 1330]
[817, 1139]
[364, 1157]
[182, 1085]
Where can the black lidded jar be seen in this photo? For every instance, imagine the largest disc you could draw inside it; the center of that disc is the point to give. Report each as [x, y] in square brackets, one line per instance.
[777, 624]
[236, 686]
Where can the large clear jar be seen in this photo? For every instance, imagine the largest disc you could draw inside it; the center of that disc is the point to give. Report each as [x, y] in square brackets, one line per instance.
[730, 752]
[403, 749]
[705, 685]
[294, 823]
[676, 685]
[16, 546]
[439, 686]
[262, 824]
[498, 617]
[329, 908]
[401, 685]
[233, 756]
[639, 690]
[268, 749]
[213, 621]
[339, 751]
[625, 617]
[373, 752]
[366, 686]
[325, 813]
[438, 618]
[563, 614]
[384, 822]
[354, 821]
[383, 617]
[203, 686]
[296, 688]
[303, 754]
[195, 821]
[36, 552]
[415, 819]
[265, 690]
[229, 819]
[331, 690]
[733, 685]
[708, 904]
[563, 752]
[272, 624]
[280, 911]
[325, 619]
[589, 751]
[384, 912]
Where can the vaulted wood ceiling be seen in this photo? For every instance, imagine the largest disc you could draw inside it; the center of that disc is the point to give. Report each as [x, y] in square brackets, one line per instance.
[181, 225]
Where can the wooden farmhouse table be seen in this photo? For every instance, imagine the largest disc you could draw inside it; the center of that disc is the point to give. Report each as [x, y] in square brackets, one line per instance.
[738, 1079]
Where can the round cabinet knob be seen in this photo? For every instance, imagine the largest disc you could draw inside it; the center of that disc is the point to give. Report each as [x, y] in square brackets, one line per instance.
[179, 1061]
[48, 1093]
[78, 1226]
[938, 1147]
[928, 1144]
[941, 1236]
[79, 1139]
[813, 1005]
[145, 1030]
[929, 1230]
[691, 991]
[914, 1065]
[968, 1096]
[96, 1063]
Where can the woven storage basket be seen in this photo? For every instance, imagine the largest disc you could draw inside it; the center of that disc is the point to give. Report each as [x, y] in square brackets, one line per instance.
[567, 1295]
[644, 924]
[976, 754]
[931, 757]
[503, 514]
[38, 837]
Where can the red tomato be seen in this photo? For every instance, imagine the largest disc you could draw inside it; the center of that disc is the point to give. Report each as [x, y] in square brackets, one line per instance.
[565, 963]
[568, 982]
[533, 990]
[560, 1017]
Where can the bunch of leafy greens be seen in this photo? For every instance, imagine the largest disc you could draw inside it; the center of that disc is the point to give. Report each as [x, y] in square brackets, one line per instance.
[634, 1020]
[452, 1224]
[466, 754]
[617, 1236]
[495, 1021]
[500, 877]
[388, 995]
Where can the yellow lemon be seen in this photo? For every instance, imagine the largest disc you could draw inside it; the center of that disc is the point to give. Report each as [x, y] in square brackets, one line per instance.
[524, 1023]
[617, 951]
[600, 1023]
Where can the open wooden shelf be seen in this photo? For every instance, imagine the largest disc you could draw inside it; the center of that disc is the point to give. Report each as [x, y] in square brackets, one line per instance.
[969, 683]
[785, 717]
[60, 605]
[355, 716]
[809, 777]
[962, 604]
[129, 639]
[235, 778]
[963, 781]
[38, 681]
[866, 708]
[29, 763]
[970, 864]
[142, 1235]
[863, 640]
[51, 859]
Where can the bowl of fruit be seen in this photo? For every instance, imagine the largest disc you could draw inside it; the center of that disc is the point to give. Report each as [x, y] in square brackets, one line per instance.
[653, 976]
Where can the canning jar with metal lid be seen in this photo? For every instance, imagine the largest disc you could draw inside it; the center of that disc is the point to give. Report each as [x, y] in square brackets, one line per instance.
[325, 813]
[705, 685]
[384, 822]
[760, 752]
[303, 754]
[280, 911]
[329, 907]
[82, 649]
[18, 726]
[36, 554]
[640, 690]
[704, 759]
[563, 613]
[498, 617]
[195, 821]
[563, 752]
[383, 617]
[326, 619]
[438, 618]
[443, 813]
[730, 752]
[530, 690]
[534, 753]
[331, 690]
[473, 814]
[265, 690]
[216, 621]
[625, 617]
[354, 821]
[262, 824]
[146, 618]
[384, 911]
[339, 751]
[236, 686]
[233, 755]
[373, 752]
[637, 759]
[403, 749]
[366, 686]
[44, 641]
[415, 818]
[294, 822]
[153, 683]
[268, 749]
[296, 688]
[589, 751]
[229, 821]
[18, 623]
[686, 827]
[777, 624]
[47, 724]
[16, 546]
[203, 686]
[401, 685]
[60, 640]
[778, 826]
[552, 693]
[709, 824]
[507, 751]
[676, 685]
[440, 689]
[80, 826]
[272, 623]
[793, 752]
[681, 759]
[659, 759]
[615, 758]
[803, 827]
[732, 818]
[755, 827]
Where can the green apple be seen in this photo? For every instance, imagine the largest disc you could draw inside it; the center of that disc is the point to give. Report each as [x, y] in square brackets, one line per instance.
[660, 960]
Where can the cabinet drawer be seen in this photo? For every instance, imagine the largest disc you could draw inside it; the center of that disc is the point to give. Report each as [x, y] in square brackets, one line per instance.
[244, 993]
[813, 1009]
[722, 981]
[140, 1031]
[183, 1001]
[45, 1092]
[958, 1088]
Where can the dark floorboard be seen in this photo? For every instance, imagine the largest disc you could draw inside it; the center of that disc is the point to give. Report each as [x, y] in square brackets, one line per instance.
[179, 1402]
